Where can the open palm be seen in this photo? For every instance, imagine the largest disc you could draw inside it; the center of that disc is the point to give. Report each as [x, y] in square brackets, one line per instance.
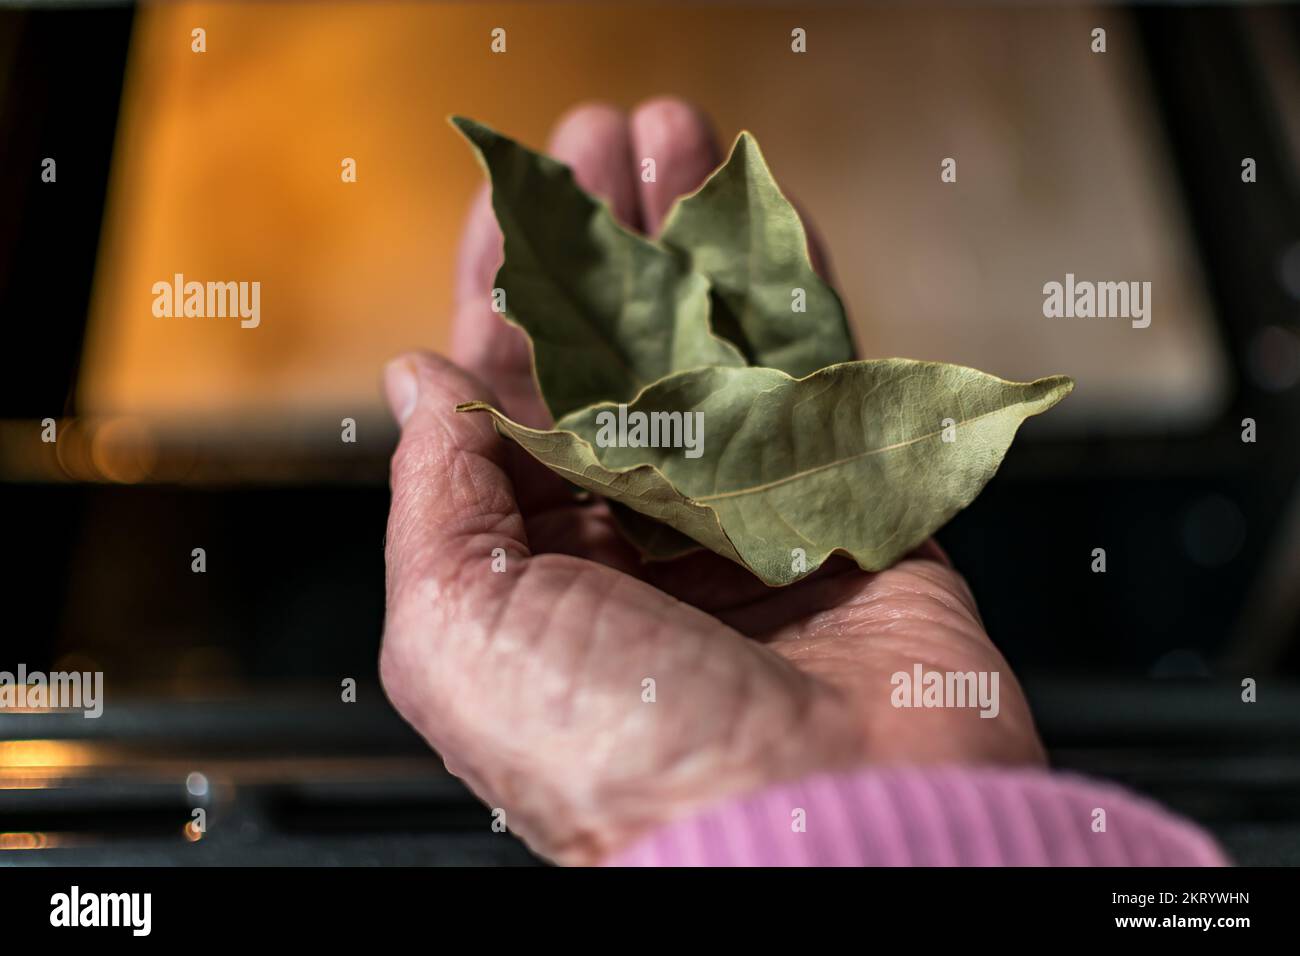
[592, 696]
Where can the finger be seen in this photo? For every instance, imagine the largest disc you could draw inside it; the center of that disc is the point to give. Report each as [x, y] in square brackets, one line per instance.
[498, 353]
[480, 248]
[593, 139]
[482, 341]
[453, 503]
[681, 142]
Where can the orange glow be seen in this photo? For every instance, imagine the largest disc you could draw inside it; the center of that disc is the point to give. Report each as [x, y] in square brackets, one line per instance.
[227, 168]
[73, 451]
[122, 449]
[47, 755]
[26, 841]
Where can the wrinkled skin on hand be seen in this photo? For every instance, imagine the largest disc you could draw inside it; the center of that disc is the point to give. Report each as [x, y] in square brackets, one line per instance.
[529, 683]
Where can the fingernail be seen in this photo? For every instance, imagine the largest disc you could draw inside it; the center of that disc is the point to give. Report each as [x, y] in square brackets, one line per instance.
[401, 388]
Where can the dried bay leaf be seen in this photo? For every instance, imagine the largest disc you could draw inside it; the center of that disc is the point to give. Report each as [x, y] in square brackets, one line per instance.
[608, 312]
[740, 231]
[852, 458]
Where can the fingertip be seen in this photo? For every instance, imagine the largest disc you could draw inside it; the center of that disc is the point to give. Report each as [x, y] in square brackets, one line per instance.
[420, 383]
[671, 119]
[594, 140]
[680, 139]
[584, 118]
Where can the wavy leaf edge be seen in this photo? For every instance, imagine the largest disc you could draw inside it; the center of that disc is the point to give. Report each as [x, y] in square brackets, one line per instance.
[1062, 382]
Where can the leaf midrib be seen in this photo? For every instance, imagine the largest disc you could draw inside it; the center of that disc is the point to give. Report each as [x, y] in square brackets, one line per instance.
[767, 486]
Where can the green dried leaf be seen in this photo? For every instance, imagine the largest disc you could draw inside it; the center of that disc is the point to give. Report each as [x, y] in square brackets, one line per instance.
[740, 231]
[853, 458]
[608, 312]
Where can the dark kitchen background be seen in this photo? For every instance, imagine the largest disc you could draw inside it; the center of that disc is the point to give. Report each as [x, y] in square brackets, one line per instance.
[223, 688]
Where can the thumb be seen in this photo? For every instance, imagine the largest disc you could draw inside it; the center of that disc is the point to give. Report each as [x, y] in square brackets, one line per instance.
[453, 501]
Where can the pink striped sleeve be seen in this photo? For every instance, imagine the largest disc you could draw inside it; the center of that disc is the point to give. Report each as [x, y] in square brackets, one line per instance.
[944, 816]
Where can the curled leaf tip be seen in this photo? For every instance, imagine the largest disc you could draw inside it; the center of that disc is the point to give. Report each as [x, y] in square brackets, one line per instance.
[1054, 388]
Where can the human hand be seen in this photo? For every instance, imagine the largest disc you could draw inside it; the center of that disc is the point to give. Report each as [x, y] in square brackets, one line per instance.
[530, 682]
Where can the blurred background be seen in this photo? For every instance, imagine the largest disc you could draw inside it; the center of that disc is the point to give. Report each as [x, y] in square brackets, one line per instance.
[223, 688]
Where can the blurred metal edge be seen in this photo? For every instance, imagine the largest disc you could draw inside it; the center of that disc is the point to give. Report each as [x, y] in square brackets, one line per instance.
[292, 717]
[1205, 711]
[1067, 710]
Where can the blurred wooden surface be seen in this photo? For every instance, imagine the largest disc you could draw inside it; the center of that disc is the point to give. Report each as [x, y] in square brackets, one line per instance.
[227, 168]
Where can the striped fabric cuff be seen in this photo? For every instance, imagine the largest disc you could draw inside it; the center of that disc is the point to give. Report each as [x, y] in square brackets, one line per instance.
[945, 816]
